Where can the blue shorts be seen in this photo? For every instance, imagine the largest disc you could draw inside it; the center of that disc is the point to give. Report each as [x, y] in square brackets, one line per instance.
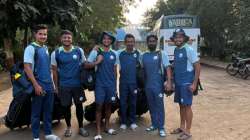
[105, 94]
[183, 95]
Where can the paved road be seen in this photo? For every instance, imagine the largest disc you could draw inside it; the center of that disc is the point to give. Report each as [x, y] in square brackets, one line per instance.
[221, 112]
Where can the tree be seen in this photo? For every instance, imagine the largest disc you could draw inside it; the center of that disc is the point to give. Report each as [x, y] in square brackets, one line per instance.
[23, 14]
[104, 16]
[221, 21]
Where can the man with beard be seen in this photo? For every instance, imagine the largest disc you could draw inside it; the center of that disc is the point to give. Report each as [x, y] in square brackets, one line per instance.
[105, 87]
[155, 64]
[186, 76]
[66, 64]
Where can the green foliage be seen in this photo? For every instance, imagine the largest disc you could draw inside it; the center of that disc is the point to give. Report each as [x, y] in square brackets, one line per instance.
[103, 16]
[225, 24]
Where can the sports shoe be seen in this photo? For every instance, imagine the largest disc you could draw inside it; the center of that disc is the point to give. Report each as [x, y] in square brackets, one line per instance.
[162, 133]
[151, 128]
[123, 126]
[83, 132]
[52, 137]
[133, 126]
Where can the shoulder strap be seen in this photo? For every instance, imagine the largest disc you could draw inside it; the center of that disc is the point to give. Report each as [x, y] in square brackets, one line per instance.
[79, 53]
[160, 62]
[137, 54]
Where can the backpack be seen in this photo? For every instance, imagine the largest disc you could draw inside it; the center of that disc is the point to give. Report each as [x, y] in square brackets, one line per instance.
[19, 79]
[88, 78]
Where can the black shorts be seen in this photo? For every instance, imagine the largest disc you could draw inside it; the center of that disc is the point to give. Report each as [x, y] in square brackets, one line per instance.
[67, 93]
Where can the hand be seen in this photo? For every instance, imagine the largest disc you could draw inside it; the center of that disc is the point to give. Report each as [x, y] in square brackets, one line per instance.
[168, 86]
[56, 90]
[38, 90]
[96, 47]
[193, 87]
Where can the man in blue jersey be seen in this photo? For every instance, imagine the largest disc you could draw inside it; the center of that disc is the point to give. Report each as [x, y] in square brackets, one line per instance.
[156, 64]
[128, 61]
[37, 68]
[66, 64]
[105, 87]
[186, 75]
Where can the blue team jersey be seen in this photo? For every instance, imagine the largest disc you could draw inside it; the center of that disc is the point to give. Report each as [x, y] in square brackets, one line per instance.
[38, 57]
[152, 63]
[128, 62]
[184, 58]
[69, 66]
[105, 75]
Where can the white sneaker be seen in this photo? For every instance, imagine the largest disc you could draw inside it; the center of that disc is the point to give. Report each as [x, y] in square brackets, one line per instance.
[133, 126]
[52, 137]
[36, 138]
[123, 126]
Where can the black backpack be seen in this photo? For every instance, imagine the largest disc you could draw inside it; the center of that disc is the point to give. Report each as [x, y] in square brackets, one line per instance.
[88, 78]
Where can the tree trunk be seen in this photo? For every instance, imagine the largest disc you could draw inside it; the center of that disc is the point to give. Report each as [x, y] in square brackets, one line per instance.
[7, 49]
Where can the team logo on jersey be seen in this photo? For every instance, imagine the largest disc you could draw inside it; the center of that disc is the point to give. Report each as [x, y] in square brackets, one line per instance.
[135, 91]
[112, 98]
[182, 100]
[74, 56]
[180, 55]
[47, 52]
[135, 55]
[155, 57]
[112, 57]
[160, 95]
[81, 99]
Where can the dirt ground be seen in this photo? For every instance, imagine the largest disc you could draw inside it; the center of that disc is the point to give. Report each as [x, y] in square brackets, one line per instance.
[221, 112]
[4, 81]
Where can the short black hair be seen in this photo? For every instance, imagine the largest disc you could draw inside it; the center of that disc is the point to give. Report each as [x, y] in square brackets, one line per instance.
[38, 27]
[152, 36]
[66, 32]
[128, 36]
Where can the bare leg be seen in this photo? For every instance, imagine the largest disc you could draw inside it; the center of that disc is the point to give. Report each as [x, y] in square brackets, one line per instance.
[183, 117]
[98, 118]
[189, 118]
[107, 115]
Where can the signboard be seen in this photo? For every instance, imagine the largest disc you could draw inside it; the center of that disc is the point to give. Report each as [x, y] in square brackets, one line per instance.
[180, 22]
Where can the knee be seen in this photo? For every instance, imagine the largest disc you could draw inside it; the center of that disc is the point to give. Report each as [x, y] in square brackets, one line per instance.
[98, 108]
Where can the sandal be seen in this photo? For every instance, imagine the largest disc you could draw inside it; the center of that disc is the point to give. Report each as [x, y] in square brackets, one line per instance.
[177, 131]
[184, 136]
[98, 137]
[151, 128]
[111, 131]
[68, 132]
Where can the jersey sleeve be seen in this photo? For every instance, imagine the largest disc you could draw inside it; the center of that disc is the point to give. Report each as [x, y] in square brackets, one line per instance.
[165, 60]
[92, 56]
[83, 56]
[53, 58]
[192, 55]
[117, 62]
[29, 53]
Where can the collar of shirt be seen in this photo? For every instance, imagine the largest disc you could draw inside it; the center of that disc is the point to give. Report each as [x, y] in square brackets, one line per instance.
[185, 45]
[62, 49]
[36, 44]
[128, 51]
[110, 49]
